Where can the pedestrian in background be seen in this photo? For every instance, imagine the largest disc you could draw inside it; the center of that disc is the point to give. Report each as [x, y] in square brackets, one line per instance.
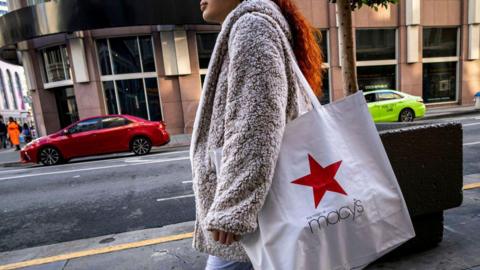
[27, 133]
[14, 133]
[250, 93]
[3, 134]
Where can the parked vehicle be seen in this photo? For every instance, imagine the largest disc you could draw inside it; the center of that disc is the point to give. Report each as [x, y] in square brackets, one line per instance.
[392, 106]
[95, 136]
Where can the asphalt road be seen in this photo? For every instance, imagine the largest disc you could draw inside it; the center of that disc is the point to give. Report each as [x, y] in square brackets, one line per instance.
[96, 197]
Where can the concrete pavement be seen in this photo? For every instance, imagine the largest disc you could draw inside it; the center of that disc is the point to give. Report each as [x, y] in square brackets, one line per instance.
[169, 248]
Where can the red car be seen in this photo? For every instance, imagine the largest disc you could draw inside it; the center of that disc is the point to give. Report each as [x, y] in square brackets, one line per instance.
[97, 135]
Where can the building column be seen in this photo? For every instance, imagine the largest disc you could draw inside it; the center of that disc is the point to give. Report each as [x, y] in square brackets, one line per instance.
[43, 101]
[170, 96]
[86, 75]
[409, 65]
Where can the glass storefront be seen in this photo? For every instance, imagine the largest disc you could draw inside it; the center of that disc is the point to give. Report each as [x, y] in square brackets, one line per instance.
[376, 77]
[55, 64]
[439, 42]
[138, 97]
[375, 44]
[439, 82]
[66, 105]
[440, 60]
[124, 56]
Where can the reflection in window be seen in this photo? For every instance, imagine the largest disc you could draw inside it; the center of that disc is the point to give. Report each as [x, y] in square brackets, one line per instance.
[439, 82]
[87, 125]
[104, 57]
[55, 64]
[375, 44]
[110, 97]
[205, 46]
[125, 55]
[3, 91]
[12, 90]
[112, 122]
[439, 42]
[376, 77]
[388, 96]
[20, 91]
[131, 96]
[128, 55]
[147, 54]
[153, 99]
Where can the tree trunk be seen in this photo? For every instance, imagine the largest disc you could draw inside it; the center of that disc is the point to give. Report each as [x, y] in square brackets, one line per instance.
[347, 59]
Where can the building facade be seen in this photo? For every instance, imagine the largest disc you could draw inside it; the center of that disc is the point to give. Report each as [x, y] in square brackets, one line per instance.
[14, 100]
[150, 59]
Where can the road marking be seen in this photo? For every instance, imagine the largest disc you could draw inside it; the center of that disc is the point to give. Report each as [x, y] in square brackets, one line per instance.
[18, 170]
[472, 143]
[471, 186]
[97, 251]
[187, 182]
[94, 168]
[471, 124]
[176, 197]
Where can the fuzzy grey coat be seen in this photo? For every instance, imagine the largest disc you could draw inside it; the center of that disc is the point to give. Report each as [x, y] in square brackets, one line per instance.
[250, 93]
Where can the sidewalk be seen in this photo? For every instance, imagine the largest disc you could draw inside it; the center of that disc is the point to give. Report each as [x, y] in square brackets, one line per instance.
[170, 248]
[456, 110]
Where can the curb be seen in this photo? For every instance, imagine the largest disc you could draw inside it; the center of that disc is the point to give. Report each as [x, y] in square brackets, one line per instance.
[442, 115]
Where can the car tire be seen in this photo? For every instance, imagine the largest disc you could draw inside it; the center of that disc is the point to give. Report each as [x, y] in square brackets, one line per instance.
[406, 115]
[49, 156]
[140, 146]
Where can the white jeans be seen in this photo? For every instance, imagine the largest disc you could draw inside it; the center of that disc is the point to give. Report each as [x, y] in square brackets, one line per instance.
[217, 263]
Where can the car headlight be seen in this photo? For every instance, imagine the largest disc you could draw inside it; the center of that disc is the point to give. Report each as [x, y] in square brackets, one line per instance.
[32, 143]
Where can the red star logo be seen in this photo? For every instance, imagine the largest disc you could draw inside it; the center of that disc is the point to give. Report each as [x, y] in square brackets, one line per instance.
[321, 179]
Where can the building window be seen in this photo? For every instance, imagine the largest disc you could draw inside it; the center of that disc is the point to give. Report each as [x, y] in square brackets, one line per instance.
[375, 44]
[439, 81]
[440, 64]
[36, 2]
[376, 59]
[129, 80]
[12, 90]
[3, 92]
[125, 55]
[20, 91]
[55, 64]
[66, 105]
[205, 45]
[439, 42]
[376, 77]
[322, 40]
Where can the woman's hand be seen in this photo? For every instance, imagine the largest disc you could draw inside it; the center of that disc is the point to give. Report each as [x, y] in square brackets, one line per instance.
[225, 238]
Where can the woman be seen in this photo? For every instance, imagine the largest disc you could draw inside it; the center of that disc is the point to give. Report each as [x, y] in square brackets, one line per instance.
[250, 93]
[14, 133]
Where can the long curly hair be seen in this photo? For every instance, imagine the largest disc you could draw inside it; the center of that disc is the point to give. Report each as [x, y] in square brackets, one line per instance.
[305, 45]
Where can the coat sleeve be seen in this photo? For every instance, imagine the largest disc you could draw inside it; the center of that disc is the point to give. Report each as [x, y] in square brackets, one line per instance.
[255, 120]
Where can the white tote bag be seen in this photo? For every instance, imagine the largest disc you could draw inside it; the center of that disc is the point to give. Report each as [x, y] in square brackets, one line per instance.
[334, 202]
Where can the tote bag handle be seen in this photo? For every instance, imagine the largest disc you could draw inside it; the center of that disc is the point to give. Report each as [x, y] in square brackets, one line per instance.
[306, 86]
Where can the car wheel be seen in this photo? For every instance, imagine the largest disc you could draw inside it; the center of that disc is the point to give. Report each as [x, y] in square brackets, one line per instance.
[406, 115]
[50, 156]
[141, 146]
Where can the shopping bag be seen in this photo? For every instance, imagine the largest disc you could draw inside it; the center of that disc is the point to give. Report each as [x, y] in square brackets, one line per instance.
[334, 202]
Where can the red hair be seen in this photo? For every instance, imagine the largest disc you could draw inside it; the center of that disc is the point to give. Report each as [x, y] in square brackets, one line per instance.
[307, 50]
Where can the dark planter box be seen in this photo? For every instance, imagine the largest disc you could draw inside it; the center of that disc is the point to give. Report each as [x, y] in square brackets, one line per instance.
[427, 158]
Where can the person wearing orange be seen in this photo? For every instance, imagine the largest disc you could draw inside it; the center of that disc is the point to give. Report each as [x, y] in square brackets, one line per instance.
[14, 133]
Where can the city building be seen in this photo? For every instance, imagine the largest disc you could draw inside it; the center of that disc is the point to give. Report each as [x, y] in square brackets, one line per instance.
[14, 101]
[149, 58]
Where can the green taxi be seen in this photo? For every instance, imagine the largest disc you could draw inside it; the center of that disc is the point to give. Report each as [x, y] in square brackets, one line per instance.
[392, 106]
